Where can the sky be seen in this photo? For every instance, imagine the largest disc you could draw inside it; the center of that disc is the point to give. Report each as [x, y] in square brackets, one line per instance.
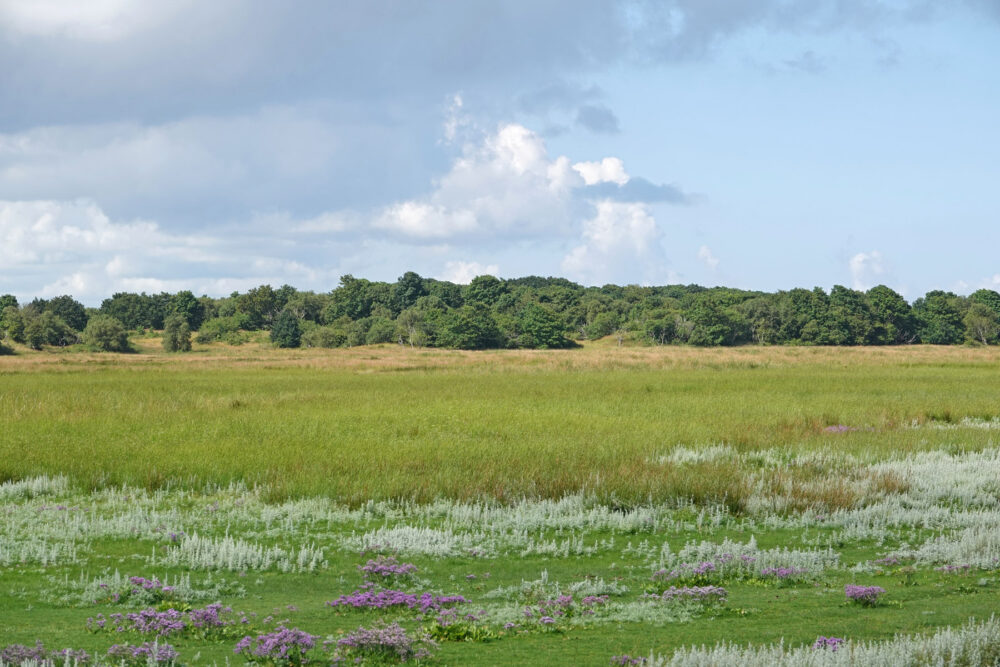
[760, 144]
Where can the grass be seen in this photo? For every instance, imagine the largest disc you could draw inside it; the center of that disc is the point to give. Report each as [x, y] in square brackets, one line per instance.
[596, 464]
[392, 422]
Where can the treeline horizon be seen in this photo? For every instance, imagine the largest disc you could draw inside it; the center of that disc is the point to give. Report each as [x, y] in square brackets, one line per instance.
[528, 312]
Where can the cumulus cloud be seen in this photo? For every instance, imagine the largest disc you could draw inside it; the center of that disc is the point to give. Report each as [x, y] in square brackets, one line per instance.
[462, 273]
[866, 267]
[74, 247]
[608, 170]
[506, 185]
[707, 258]
[622, 239]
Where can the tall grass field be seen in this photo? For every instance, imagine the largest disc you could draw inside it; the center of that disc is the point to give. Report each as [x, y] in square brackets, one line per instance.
[604, 505]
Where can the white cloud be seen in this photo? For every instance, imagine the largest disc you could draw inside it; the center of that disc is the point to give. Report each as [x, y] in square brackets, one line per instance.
[97, 20]
[866, 267]
[608, 170]
[73, 247]
[706, 256]
[506, 185]
[621, 240]
[462, 273]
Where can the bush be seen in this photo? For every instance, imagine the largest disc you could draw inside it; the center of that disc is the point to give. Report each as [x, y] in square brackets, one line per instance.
[328, 336]
[286, 331]
[107, 334]
[176, 334]
[219, 328]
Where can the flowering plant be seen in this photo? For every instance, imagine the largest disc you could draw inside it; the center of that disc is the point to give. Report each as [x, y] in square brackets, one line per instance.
[867, 596]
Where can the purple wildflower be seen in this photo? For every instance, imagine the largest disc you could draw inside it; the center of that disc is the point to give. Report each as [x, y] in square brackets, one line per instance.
[284, 646]
[864, 595]
[827, 643]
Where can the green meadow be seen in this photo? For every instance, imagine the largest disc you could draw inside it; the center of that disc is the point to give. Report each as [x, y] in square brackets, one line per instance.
[580, 486]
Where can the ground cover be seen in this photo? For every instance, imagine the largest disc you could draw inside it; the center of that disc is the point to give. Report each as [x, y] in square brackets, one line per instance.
[504, 508]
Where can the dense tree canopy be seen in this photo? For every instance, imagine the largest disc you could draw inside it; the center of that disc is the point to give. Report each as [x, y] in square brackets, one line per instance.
[529, 312]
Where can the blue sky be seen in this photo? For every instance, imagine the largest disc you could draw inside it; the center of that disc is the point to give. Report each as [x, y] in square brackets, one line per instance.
[763, 144]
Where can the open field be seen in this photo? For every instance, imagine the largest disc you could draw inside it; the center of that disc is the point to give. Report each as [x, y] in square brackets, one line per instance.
[571, 486]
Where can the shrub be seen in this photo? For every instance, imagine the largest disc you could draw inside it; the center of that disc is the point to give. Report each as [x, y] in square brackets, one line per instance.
[105, 333]
[176, 334]
[219, 328]
[286, 331]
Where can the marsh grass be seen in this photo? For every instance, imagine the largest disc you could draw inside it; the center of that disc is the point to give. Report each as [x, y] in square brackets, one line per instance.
[388, 422]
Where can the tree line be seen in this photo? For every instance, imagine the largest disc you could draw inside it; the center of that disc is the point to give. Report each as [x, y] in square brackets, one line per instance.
[529, 312]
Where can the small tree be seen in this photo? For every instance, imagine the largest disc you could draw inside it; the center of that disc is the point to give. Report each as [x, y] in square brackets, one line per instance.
[286, 331]
[106, 333]
[981, 324]
[176, 334]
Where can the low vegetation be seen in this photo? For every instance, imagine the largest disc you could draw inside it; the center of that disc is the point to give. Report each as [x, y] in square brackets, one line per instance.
[601, 505]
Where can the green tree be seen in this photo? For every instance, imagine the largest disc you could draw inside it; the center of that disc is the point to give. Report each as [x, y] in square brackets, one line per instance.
[259, 306]
[219, 328]
[484, 289]
[987, 297]
[540, 329]
[939, 318]
[407, 290]
[603, 324]
[849, 318]
[69, 310]
[413, 327]
[136, 311]
[893, 318]
[185, 304]
[8, 300]
[350, 299]
[470, 327]
[286, 331]
[982, 324]
[176, 334]
[380, 330]
[106, 333]
[12, 323]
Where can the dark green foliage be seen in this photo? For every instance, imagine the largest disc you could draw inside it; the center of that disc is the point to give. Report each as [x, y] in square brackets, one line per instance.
[8, 300]
[987, 297]
[407, 290]
[893, 319]
[187, 306]
[259, 307]
[45, 329]
[604, 324]
[484, 289]
[137, 311]
[540, 329]
[331, 335]
[286, 331]
[470, 327]
[534, 312]
[350, 299]
[939, 318]
[12, 323]
[106, 333]
[219, 328]
[380, 330]
[69, 310]
[308, 306]
[715, 322]
[176, 334]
